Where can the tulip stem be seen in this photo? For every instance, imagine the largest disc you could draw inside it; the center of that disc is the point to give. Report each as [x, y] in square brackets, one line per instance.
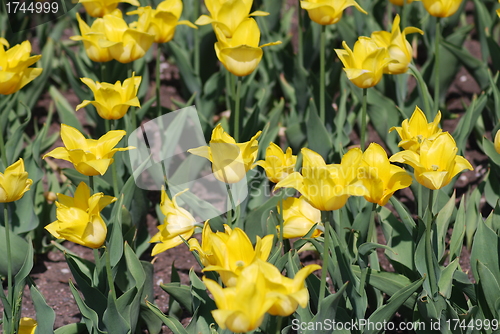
[158, 99]
[196, 14]
[363, 119]
[107, 123]
[300, 53]
[325, 258]
[428, 247]
[237, 119]
[230, 211]
[109, 273]
[403, 14]
[10, 292]
[436, 66]
[322, 52]
[3, 152]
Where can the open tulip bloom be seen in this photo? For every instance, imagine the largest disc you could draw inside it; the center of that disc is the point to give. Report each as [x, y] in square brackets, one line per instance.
[278, 165]
[90, 36]
[14, 66]
[113, 101]
[299, 217]
[442, 8]
[89, 156]
[14, 182]
[327, 12]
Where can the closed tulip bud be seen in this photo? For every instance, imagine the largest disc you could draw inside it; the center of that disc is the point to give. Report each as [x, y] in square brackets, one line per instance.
[27, 326]
[79, 219]
[497, 142]
[90, 36]
[442, 8]
[379, 176]
[113, 101]
[14, 66]
[327, 12]
[230, 160]
[14, 182]
[365, 64]
[438, 162]
[227, 15]
[398, 48]
[241, 54]
[299, 217]
[162, 21]
[89, 156]
[326, 187]
[277, 165]
[416, 130]
[401, 2]
[99, 8]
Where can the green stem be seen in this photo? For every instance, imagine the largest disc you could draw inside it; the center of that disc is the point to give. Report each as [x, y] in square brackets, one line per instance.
[281, 217]
[300, 53]
[436, 66]
[237, 116]
[103, 72]
[196, 13]
[116, 192]
[158, 83]
[371, 229]
[325, 258]
[10, 292]
[97, 260]
[233, 207]
[419, 200]
[428, 247]
[109, 274]
[363, 119]
[91, 183]
[322, 52]
[403, 14]
[3, 151]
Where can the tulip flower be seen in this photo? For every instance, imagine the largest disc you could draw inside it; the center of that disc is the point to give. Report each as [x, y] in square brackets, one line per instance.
[326, 187]
[401, 2]
[27, 326]
[113, 101]
[162, 21]
[365, 64]
[227, 15]
[415, 131]
[380, 177]
[241, 54]
[497, 142]
[90, 36]
[14, 182]
[299, 217]
[79, 219]
[99, 8]
[442, 8]
[277, 164]
[178, 224]
[288, 293]
[399, 50]
[327, 12]
[230, 252]
[230, 160]
[89, 156]
[14, 66]
[125, 43]
[437, 162]
[241, 308]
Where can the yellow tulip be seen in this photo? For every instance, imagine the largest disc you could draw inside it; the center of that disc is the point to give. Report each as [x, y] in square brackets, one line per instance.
[14, 182]
[14, 66]
[89, 156]
[227, 15]
[299, 217]
[27, 326]
[442, 8]
[241, 54]
[178, 224]
[364, 65]
[326, 187]
[230, 252]
[230, 160]
[497, 142]
[113, 101]
[277, 165]
[99, 8]
[241, 308]
[437, 162]
[399, 50]
[90, 36]
[125, 43]
[288, 293]
[327, 12]
[79, 219]
[415, 131]
[401, 2]
[162, 21]
[380, 177]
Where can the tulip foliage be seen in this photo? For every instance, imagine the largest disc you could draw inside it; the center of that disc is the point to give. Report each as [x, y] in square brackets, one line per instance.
[349, 149]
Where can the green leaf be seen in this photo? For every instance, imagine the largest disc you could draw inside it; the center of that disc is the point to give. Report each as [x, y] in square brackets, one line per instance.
[90, 316]
[78, 328]
[172, 323]
[468, 121]
[458, 233]
[64, 110]
[318, 138]
[113, 320]
[490, 287]
[442, 222]
[486, 249]
[19, 251]
[445, 281]
[43, 311]
[181, 293]
[489, 150]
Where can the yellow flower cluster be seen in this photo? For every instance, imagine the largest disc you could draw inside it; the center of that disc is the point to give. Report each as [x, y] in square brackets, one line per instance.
[238, 34]
[254, 287]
